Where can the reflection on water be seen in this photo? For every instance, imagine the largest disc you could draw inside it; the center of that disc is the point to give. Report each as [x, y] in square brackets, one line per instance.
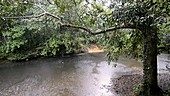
[83, 75]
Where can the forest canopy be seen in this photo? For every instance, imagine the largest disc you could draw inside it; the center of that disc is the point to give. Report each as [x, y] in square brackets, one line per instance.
[44, 28]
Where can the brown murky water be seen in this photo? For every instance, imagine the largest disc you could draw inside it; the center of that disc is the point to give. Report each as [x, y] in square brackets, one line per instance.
[82, 75]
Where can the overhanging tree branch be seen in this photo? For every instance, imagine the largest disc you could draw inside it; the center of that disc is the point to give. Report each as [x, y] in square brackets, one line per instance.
[52, 15]
[114, 28]
[29, 17]
[24, 17]
[70, 25]
[74, 26]
[99, 32]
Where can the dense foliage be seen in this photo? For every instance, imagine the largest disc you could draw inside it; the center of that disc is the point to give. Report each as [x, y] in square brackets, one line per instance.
[22, 34]
[22, 39]
[135, 28]
[133, 18]
[32, 38]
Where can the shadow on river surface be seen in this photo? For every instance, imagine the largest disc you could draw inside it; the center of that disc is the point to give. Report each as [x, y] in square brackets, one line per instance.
[82, 75]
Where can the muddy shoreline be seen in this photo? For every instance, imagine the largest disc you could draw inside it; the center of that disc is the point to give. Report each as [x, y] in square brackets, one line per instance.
[126, 85]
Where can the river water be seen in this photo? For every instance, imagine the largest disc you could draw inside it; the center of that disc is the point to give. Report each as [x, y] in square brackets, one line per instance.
[85, 74]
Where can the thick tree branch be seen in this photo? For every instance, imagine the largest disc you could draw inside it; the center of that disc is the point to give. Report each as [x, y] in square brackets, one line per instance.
[70, 25]
[74, 26]
[99, 32]
[114, 28]
[52, 15]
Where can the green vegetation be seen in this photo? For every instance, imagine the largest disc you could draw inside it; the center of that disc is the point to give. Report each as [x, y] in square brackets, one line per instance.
[23, 39]
[31, 38]
[136, 28]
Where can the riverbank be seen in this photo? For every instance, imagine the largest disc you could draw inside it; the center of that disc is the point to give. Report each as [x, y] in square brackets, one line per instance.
[127, 85]
[92, 48]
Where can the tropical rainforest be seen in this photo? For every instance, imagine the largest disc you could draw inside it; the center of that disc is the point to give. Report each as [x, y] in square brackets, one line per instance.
[134, 28]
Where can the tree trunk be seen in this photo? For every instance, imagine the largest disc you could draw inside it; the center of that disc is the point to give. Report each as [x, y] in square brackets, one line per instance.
[150, 84]
[2, 39]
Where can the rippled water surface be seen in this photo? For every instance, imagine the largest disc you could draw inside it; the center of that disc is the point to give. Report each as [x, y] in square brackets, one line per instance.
[80, 75]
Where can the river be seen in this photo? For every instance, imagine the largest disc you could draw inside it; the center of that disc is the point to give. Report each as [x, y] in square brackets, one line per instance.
[86, 74]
